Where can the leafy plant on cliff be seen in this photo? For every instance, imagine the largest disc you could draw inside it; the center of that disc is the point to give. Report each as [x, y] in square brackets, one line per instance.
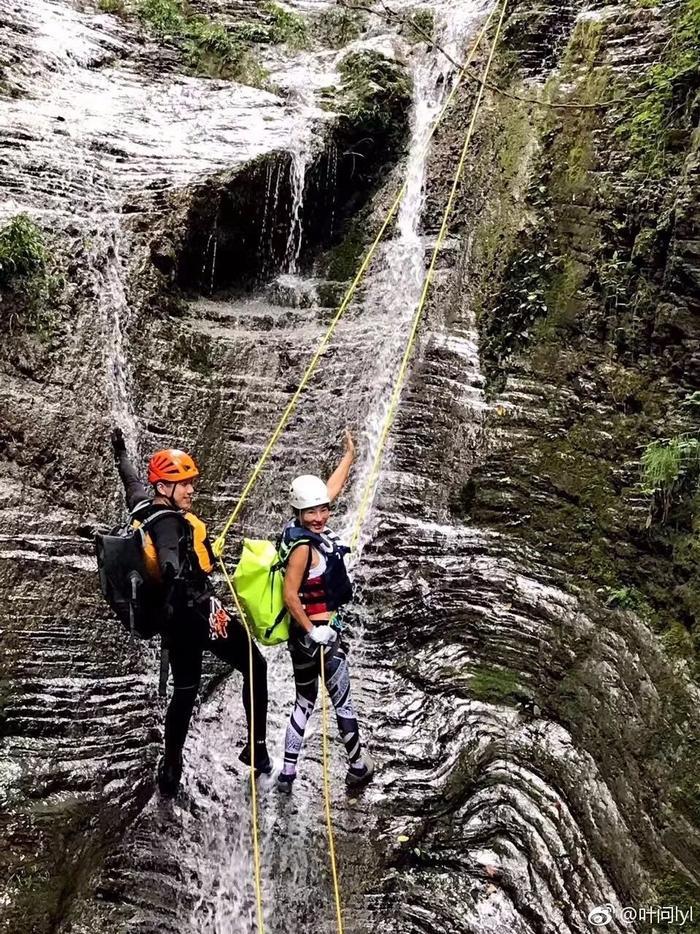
[625, 598]
[337, 27]
[27, 283]
[208, 47]
[674, 889]
[117, 7]
[667, 93]
[375, 94]
[669, 466]
[287, 27]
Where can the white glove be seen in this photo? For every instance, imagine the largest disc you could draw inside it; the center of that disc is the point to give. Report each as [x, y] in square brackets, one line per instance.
[323, 635]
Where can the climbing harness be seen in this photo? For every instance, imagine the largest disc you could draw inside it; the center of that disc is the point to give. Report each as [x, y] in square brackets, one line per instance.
[329, 587]
[220, 543]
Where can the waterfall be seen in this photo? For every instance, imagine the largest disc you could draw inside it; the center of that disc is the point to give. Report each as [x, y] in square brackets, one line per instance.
[114, 311]
[300, 159]
[214, 850]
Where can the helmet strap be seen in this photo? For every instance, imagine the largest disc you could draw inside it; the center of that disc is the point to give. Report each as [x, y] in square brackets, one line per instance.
[168, 499]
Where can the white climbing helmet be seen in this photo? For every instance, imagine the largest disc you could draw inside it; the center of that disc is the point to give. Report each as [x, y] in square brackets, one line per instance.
[308, 491]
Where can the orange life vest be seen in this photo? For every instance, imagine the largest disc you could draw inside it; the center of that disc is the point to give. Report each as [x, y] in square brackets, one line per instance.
[199, 545]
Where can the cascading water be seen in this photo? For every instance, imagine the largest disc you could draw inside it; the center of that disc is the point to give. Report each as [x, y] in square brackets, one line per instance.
[300, 161]
[395, 283]
[530, 742]
[114, 311]
[210, 835]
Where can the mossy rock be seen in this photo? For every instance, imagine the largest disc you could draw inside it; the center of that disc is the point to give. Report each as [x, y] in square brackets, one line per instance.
[29, 281]
[494, 685]
[375, 95]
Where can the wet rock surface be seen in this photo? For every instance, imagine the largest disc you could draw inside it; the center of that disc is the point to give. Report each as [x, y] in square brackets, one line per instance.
[536, 747]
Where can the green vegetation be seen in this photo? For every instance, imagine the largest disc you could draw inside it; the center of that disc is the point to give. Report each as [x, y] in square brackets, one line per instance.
[669, 467]
[286, 27]
[165, 17]
[22, 252]
[117, 7]
[666, 92]
[375, 94]
[27, 283]
[675, 889]
[207, 47]
[210, 48]
[336, 27]
[344, 259]
[493, 685]
[374, 103]
[420, 26]
[585, 42]
[626, 598]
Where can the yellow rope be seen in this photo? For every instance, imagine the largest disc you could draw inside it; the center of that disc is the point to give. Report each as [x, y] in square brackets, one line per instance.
[403, 369]
[327, 793]
[253, 787]
[220, 543]
[324, 709]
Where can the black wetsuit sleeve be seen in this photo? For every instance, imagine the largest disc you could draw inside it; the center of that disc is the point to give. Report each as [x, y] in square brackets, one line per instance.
[166, 533]
[135, 491]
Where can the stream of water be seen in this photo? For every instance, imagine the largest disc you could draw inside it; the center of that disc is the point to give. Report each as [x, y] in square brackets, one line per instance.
[352, 386]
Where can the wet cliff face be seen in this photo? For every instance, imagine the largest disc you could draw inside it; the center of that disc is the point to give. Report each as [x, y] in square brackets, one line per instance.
[525, 650]
[580, 228]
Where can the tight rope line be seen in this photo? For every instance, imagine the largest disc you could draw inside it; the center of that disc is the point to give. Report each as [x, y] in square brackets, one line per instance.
[403, 369]
[220, 543]
[327, 794]
[253, 787]
[324, 700]
[471, 74]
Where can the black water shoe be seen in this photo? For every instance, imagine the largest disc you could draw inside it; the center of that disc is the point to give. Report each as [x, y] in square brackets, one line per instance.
[262, 759]
[169, 775]
[285, 782]
[358, 775]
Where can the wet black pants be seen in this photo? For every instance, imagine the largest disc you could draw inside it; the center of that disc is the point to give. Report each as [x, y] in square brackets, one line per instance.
[188, 642]
[306, 661]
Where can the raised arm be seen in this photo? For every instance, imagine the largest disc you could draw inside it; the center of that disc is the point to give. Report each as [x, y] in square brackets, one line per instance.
[338, 478]
[135, 491]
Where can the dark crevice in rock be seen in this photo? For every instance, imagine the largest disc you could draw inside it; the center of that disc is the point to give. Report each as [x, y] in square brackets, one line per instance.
[238, 227]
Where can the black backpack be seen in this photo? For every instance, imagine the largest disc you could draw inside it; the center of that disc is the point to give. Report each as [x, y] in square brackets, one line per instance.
[124, 581]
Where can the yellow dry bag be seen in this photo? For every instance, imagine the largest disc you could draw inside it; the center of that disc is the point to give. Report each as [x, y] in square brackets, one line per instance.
[258, 583]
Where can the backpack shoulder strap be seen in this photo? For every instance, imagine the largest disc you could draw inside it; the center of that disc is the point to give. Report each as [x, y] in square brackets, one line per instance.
[291, 538]
[160, 514]
[135, 513]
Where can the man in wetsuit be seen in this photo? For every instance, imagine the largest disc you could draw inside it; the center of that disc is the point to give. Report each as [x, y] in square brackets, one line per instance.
[190, 615]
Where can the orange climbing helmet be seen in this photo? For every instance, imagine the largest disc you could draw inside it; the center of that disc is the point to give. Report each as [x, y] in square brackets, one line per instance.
[171, 466]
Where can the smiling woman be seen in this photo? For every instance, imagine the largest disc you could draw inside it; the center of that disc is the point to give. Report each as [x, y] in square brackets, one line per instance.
[316, 585]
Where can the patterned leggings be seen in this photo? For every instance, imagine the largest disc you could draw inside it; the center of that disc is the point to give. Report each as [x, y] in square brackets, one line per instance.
[306, 661]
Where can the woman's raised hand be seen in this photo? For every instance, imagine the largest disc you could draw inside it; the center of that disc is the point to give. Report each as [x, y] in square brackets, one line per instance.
[349, 444]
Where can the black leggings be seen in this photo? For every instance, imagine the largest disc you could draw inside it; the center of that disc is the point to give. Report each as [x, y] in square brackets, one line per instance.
[187, 644]
[306, 661]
